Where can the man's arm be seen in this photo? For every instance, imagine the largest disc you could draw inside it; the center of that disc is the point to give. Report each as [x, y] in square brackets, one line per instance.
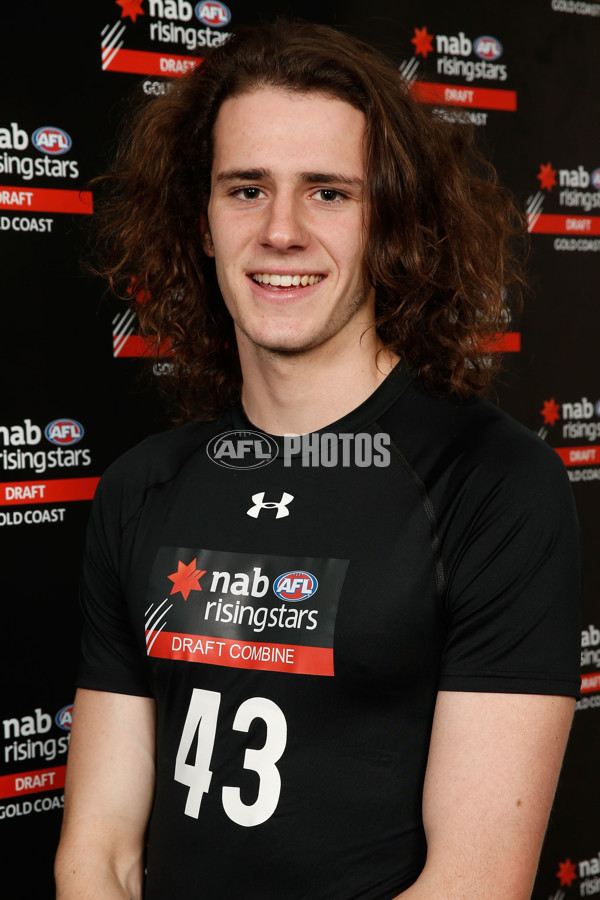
[108, 795]
[491, 775]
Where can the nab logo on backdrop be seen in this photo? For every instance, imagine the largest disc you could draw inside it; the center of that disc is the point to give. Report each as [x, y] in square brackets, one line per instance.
[573, 206]
[64, 432]
[584, 872]
[577, 177]
[485, 47]
[51, 140]
[579, 426]
[295, 586]
[19, 201]
[164, 33]
[468, 62]
[216, 15]
[35, 479]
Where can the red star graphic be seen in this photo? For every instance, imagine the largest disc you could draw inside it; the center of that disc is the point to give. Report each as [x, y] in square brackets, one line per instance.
[566, 872]
[547, 176]
[131, 8]
[550, 411]
[423, 41]
[186, 578]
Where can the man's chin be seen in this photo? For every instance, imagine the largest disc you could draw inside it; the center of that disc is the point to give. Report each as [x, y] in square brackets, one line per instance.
[282, 344]
[285, 348]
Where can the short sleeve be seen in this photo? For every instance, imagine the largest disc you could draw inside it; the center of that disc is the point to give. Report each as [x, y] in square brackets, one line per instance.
[110, 657]
[513, 571]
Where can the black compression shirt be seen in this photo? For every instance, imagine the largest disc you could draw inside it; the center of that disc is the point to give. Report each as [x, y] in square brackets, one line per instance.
[294, 624]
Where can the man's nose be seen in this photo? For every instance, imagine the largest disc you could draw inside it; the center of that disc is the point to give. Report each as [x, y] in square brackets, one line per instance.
[284, 224]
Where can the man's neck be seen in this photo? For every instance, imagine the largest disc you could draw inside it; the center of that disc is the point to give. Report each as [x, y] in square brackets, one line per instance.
[301, 393]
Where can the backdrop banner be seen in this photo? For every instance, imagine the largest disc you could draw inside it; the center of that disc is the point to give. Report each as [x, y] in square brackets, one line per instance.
[526, 76]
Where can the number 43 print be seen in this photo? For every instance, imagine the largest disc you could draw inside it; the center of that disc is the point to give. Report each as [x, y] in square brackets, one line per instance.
[201, 720]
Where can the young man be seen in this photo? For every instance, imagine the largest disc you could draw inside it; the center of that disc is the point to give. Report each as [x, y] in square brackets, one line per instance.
[300, 679]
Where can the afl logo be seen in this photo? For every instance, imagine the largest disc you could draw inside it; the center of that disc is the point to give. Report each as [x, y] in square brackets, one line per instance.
[596, 179]
[487, 47]
[64, 717]
[50, 140]
[242, 449]
[213, 13]
[63, 432]
[295, 586]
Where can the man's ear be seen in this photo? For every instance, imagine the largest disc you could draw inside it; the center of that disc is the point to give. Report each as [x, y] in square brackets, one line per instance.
[207, 244]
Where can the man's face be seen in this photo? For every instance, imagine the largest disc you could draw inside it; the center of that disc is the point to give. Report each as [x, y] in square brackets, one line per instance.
[287, 220]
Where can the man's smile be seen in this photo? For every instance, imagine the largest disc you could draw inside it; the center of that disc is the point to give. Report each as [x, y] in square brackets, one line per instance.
[286, 280]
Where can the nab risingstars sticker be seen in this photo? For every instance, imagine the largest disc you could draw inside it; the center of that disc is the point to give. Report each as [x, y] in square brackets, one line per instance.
[253, 611]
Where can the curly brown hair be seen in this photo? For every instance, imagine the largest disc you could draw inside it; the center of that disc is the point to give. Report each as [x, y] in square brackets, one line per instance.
[441, 231]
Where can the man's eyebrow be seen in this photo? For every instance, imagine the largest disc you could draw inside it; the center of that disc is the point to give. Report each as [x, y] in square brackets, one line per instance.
[230, 176]
[332, 178]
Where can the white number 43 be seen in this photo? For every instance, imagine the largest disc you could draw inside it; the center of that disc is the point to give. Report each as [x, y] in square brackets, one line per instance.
[201, 720]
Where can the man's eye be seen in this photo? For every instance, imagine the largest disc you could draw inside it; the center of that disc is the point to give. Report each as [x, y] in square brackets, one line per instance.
[329, 195]
[248, 193]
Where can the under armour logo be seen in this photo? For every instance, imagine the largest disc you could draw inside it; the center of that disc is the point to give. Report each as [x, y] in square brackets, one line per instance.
[280, 506]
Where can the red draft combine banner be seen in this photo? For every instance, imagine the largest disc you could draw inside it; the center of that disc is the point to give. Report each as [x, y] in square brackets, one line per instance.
[549, 223]
[459, 95]
[580, 456]
[507, 343]
[57, 490]
[133, 345]
[46, 200]
[590, 682]
[146, 62]
[33, 782]
[239, 654]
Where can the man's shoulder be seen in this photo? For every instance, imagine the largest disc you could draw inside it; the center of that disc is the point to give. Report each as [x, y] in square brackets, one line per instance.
[157, 459]
[472, 436]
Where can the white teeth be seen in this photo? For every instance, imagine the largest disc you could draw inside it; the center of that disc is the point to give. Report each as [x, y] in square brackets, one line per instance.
[286, 280]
